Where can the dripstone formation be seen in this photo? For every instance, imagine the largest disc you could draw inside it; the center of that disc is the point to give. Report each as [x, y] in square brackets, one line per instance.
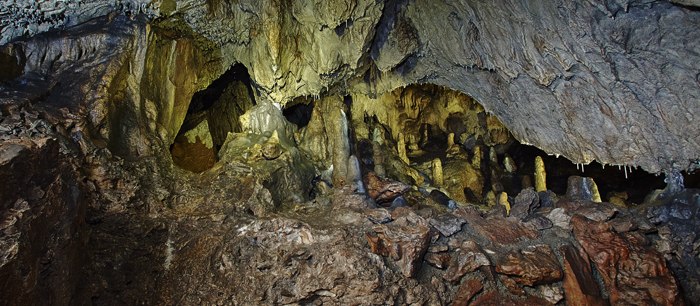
[349, 152]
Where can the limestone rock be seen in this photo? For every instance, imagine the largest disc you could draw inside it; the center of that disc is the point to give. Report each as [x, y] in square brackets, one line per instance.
[632, 272]
[531, 266]
[405, 241]
[676, 220]
[559, 218]
[325, 139]
[447, 224]
[466, 292]
[525, 203]
[460, 176]
[468, 257]
[579, 285]
[493, 61]
[582, 188]
[266, 119]
[540, 175]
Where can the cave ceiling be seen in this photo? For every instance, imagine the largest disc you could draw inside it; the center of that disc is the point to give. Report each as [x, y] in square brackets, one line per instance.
[614, 81]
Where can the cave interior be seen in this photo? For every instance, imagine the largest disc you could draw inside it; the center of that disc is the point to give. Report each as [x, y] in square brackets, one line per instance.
[306, 153]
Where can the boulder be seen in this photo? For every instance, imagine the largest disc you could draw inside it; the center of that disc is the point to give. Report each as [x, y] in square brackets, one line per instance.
[531, 266]
[405, 241]
[632, 271]
[468, 257]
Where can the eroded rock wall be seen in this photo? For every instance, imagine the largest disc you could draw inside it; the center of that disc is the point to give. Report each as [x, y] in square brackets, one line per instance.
[614, 82]
[42, 222]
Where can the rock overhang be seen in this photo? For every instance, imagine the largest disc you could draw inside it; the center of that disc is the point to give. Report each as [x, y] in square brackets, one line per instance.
[616, 84]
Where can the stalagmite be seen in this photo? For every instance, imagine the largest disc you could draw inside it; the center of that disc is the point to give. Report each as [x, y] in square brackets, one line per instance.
[450, 140]
[490, 199]
[354, 175]
[594, 192]
[401, 149]
[493, 156]
[503, 200]
[437, 172]
[509, 164]
[476, 159]
[540, 175]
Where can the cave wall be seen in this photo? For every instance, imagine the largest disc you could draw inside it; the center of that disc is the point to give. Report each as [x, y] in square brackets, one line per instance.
[616, 82]
[43, 233]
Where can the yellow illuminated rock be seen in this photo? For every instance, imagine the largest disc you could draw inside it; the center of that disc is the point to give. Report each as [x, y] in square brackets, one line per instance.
[540, 175]
[595, 193]
[490, 199]
[401, 148]
[476, 159]
[503, 200]
[437, 172]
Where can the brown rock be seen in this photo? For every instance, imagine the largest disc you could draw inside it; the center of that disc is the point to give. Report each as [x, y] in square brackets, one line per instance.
[532, 266]
[511, 285]
[378, 215]
[624, 224]
[633, 272]
[499, 230]
[496, 298]
[438, 260]
[579, 286]
[383, 190]
[467, 291]
[468, 258]
[438, 248]
[405, 241]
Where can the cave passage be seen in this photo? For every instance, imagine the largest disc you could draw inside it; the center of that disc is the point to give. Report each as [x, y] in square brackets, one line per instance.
[438, 131]
[212, 114]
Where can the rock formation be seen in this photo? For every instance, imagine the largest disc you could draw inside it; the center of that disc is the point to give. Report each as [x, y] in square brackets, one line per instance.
[349, 152]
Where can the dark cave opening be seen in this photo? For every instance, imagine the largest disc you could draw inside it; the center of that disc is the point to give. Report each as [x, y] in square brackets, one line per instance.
[212, 114]
[611, 180]
[299, 113]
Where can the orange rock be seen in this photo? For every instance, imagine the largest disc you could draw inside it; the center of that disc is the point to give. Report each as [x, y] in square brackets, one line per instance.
[632, 271]
[580, 289]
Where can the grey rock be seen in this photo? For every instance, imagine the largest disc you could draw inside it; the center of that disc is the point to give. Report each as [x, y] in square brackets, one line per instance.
[525, 203]
[580, 188]
[447, 224]
[559, 218]
[539, 222]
